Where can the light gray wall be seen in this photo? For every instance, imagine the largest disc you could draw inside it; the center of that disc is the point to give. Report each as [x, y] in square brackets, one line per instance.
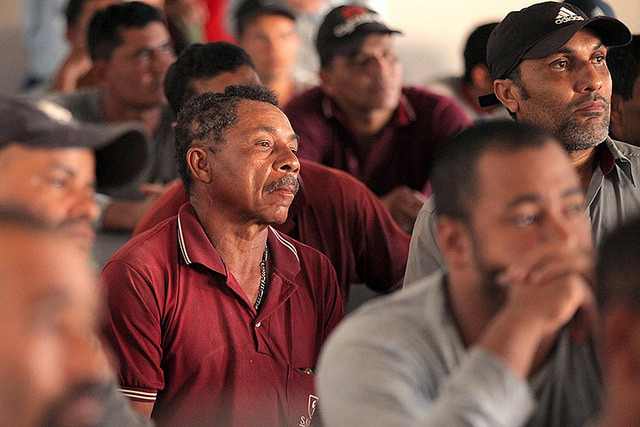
[12, 52]
[435, 31]
[434, 34]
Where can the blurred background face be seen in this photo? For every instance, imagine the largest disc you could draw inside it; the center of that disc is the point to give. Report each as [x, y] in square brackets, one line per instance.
[272, 41]
[57, 185]
[135, 72]
[48, 324]
[370, 79]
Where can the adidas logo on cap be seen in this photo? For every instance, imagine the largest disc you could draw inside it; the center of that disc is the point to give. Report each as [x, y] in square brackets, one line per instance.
[565, 15]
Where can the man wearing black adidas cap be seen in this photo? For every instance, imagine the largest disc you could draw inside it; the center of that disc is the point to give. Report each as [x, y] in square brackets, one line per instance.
[51, 165]
[363, 121]
[549, 67]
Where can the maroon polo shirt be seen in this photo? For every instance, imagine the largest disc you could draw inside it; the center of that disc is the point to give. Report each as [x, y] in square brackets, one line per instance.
[336, 214]
[404, 150]
[189, 340]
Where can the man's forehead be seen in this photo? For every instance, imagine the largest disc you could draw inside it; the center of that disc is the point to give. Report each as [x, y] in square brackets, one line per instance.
[585, 37]
[544, 167]
[137, 36]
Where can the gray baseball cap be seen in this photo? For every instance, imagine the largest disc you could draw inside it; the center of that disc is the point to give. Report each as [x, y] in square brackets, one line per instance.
[121, 150]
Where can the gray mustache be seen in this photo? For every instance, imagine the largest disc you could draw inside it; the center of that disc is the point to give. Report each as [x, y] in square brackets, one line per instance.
[285, 181]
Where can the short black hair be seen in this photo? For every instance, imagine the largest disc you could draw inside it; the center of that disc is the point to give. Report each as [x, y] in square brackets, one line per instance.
[250, 10]
[104, 30]
[203, 121]
[618, 269]
[201, 61]
[454, 175]
[73, 10]
[475, 50]
[624, 66]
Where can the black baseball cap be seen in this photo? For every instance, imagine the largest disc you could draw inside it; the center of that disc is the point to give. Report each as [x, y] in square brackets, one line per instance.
[121, 150]
[345, 28]
[539, 30]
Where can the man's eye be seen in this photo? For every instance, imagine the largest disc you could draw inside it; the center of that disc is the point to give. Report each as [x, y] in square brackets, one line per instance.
[559, 64]
[59, 182]
[575, 209]
[599, 59]
[525, 219]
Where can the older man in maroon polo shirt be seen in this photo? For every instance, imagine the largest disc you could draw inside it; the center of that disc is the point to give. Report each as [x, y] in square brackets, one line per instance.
[216, 317]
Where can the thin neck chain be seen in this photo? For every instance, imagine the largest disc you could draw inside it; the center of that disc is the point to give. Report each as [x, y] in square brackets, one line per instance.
[263, 277]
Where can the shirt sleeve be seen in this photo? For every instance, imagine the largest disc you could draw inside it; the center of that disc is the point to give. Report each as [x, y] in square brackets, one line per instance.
[365, 379]
[425, 257]
[133, 329]
[380, 246]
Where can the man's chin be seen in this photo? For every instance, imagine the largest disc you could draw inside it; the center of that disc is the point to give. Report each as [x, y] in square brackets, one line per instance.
[84, 234]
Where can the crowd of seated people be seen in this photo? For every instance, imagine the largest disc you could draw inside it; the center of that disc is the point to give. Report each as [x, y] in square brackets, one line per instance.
[500, 212]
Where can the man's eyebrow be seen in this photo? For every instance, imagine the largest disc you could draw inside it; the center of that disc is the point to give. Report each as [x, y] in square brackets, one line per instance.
[525, 198]
[64, 168]
[568, 51]
[572, 192]
[272, 130]
[535, 198]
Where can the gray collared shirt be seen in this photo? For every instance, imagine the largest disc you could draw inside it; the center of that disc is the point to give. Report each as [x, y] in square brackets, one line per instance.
[613, 198]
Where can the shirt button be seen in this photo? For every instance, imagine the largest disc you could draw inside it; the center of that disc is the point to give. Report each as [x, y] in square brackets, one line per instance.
[258, 324]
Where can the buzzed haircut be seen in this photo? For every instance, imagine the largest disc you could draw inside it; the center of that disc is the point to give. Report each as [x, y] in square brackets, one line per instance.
[250, 10]
[104, 30]
[618, 268]
[624, 66]
[475, 50]
[454, 175]
[203, 121]
[201, 61]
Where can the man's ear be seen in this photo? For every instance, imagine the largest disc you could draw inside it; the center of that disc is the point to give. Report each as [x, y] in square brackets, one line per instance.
[508, 93]
[199, 164]
[99, 69]
[454, 241]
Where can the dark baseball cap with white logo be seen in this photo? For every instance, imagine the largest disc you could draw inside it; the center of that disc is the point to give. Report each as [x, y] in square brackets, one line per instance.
[345, 28]
[538, 31]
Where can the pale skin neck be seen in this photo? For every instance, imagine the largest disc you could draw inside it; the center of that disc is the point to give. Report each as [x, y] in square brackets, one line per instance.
[584, 163]
[115, 111]
[240, 245]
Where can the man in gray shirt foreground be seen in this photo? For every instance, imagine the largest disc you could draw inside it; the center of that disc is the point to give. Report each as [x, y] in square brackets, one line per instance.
[549, 67]
[502, 338]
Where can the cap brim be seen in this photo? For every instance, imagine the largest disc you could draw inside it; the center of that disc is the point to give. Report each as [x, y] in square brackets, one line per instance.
[121, 150]
[349, 45]
[611, 31]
